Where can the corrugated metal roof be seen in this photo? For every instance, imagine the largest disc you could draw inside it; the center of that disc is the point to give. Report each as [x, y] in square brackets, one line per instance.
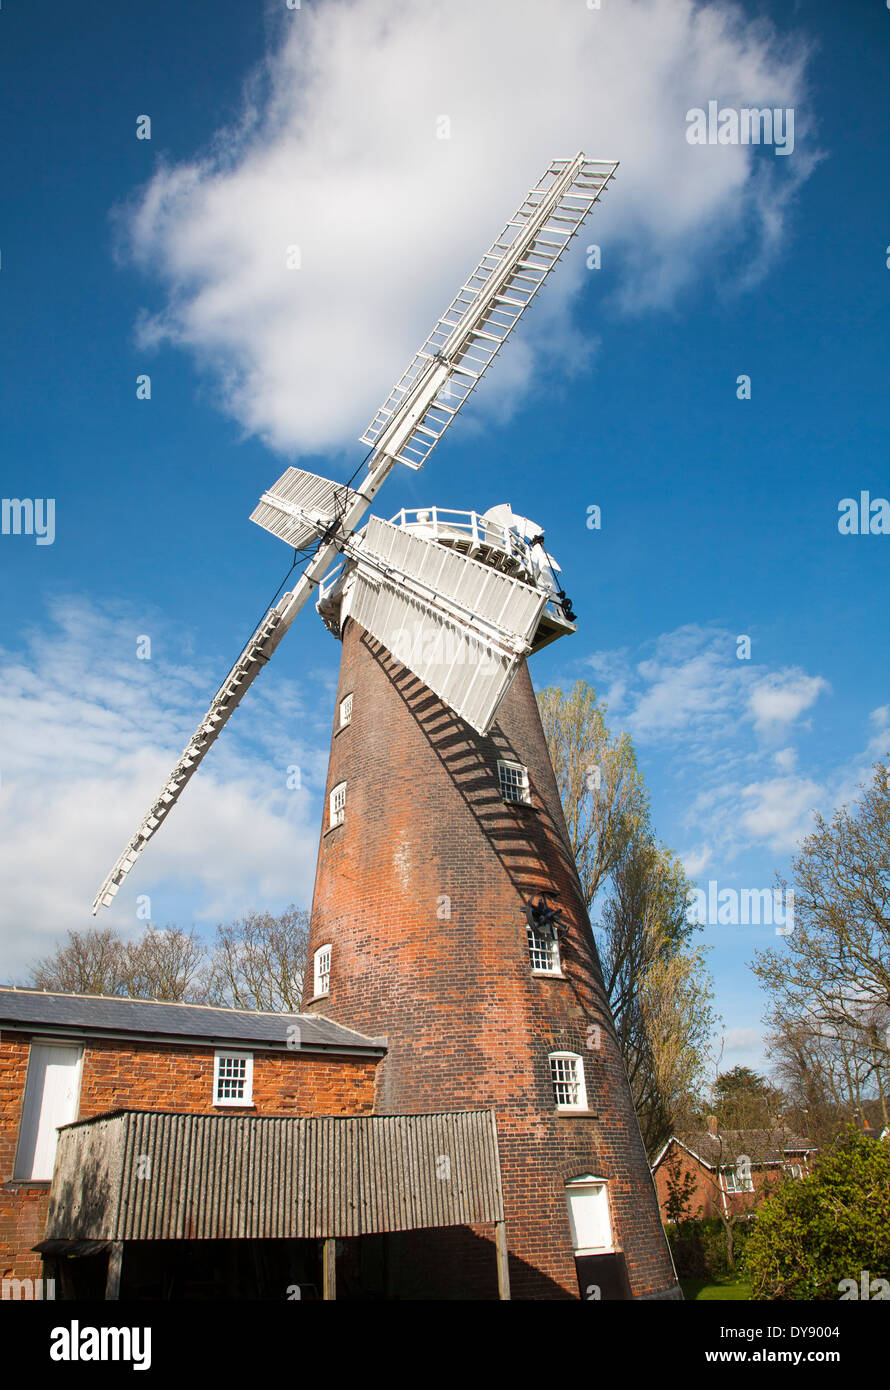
[149, 1175]
[99, 1013]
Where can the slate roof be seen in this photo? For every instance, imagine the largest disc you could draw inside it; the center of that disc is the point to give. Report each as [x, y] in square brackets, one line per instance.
[106, 1016]
[760, 1145]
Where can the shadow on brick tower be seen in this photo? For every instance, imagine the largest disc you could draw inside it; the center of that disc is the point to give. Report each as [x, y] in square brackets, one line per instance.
[448, 914]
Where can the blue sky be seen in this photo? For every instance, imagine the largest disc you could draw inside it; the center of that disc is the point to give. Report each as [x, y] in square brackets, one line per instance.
[318, 127]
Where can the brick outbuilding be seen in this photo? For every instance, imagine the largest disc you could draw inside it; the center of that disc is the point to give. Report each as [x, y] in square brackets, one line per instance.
[66, 1058]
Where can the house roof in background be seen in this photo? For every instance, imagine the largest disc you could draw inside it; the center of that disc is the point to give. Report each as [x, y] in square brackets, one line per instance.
[760, 1145]
[100, 1015]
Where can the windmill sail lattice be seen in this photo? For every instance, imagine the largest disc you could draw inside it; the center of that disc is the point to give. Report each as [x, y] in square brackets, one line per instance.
[506, 279]
[302, 508]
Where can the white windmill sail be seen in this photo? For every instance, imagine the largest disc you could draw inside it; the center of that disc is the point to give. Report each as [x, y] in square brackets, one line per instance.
[300, 506]
[459, 625]
[464, 342]
[224, 703]
[407, 426]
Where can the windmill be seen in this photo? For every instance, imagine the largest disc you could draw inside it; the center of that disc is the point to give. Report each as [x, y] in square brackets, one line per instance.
[447, 909]
[492, 593]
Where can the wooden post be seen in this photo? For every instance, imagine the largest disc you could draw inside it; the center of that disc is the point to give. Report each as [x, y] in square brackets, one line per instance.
[500, 1243]
[66, 1279]
[329, 1269]
[113, 1278]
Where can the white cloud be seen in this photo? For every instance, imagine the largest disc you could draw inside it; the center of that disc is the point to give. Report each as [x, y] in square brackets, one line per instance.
[85, 748]
[337, 153]
[691, 687]
[683, 694]
[687, 686]
[687, 693]
[781, 698]
[742, 1040]
[696, 861]
[780, 810]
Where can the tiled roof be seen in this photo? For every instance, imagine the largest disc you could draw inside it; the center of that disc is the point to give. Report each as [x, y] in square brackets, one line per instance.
[760, 1145]
[103, 1014]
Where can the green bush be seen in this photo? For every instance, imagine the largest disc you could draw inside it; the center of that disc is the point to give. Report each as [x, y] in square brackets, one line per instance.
[688, 1249]
[829, 1226]
[699, 1246]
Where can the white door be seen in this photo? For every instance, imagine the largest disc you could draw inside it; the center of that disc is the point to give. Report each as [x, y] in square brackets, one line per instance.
[51, 1096]
[589, 1217]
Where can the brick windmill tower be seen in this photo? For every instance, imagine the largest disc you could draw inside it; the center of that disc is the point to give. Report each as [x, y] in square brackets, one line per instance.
[447, 909]
[448, 914]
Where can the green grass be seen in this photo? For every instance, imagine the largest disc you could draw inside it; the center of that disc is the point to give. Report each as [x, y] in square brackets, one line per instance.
[722, 1287]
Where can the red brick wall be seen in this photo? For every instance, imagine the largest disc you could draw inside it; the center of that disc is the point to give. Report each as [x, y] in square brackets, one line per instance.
[151, 1076]
[706, 1198]
[467, 1023]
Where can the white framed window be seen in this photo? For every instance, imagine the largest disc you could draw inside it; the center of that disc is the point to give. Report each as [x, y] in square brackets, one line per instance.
[233, 1078]
[513, 778]
[734, 1183]
[322, 972]
[589, 1218]
[338, 804]
[797, 1170]
[52, 1096]
[346, 711]
[567, 1075]
[543, 953]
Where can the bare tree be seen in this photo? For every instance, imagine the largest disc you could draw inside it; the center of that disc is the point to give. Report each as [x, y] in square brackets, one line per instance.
[832, 1075]
[602, 791]
[835, 965]
[829, 983]
[676, 1024]
[259, 962]
[167, 964]
[659, 987]
[90, 962]
[659, 990]
[162, 964]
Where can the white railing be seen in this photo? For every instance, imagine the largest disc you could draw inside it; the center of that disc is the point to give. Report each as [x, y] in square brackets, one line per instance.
[448, 524]
[444, 523]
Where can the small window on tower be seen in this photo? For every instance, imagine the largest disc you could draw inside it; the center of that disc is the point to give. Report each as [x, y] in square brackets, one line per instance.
[345, 711]
[338, 804]
[322, 960]
[567, 1075]
[513, 778]
[543, 953]
[233, 1078]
